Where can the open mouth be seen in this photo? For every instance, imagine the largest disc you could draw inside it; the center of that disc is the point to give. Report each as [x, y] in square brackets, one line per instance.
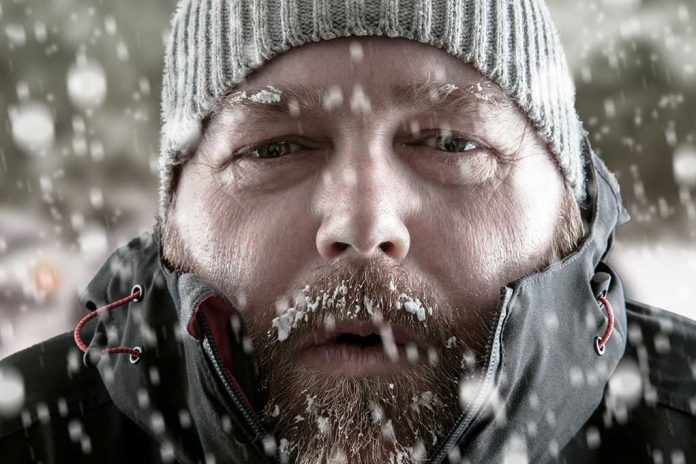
[356, 349]
[350, 339]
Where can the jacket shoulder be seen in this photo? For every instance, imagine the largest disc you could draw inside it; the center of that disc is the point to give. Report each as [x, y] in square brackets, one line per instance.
[60, 411]
[648, 413]
[663, 346]
[48, 379]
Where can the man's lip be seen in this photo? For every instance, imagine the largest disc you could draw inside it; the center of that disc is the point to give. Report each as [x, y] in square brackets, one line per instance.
[328, 352]
[359, 328]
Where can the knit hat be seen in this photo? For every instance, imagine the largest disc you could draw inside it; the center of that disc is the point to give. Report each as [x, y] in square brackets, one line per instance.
[214, 44]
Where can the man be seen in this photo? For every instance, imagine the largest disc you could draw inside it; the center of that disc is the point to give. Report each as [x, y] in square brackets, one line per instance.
[382, 238]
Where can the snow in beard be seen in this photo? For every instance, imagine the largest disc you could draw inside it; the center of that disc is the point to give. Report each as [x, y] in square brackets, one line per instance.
[304, 306]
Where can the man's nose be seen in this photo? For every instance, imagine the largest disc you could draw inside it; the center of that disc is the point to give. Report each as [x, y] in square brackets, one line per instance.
[363, 203]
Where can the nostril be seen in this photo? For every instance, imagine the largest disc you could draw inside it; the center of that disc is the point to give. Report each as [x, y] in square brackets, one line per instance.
[338, 247]
[387, 247]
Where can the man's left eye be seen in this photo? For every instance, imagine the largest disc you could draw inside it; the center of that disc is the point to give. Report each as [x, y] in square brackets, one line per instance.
[450, 143]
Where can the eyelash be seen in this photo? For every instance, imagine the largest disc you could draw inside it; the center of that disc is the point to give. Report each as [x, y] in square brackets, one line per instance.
[469, 141]
[248, 152]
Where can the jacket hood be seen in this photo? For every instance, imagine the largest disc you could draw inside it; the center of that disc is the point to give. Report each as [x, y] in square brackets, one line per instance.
[195, 387]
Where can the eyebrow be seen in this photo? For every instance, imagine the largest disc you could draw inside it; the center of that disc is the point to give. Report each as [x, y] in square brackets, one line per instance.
[431, 95]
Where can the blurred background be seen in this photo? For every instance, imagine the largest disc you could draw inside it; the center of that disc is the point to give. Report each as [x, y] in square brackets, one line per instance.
[79, 105]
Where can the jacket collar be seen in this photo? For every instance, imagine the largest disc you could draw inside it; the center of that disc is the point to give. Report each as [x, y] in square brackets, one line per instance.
[542, 379]
[174, 392]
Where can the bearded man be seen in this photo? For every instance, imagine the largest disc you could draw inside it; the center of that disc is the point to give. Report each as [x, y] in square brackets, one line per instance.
[382, 238]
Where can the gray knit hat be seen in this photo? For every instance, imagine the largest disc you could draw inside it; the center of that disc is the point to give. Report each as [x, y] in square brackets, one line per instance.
[214, 44]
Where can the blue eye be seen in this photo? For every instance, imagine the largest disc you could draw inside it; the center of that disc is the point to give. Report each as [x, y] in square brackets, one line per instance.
[450, 143]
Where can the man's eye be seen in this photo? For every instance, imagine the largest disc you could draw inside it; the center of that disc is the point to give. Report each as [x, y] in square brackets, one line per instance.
[450, 143]
[271, 150]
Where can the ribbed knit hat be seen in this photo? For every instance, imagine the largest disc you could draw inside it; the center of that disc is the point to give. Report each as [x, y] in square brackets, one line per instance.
[214, 44]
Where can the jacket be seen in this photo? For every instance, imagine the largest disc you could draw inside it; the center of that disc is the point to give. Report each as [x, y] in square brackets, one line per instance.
[187, 392]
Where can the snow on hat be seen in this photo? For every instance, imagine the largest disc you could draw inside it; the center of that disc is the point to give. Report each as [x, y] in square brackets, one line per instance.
[214, 44]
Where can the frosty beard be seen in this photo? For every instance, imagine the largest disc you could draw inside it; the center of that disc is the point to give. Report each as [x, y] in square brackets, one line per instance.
[402, 417]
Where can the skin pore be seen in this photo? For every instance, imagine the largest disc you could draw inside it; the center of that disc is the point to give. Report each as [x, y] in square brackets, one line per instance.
[362, 201]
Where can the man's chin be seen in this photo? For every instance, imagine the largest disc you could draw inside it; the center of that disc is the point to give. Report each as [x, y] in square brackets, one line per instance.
[367, 412]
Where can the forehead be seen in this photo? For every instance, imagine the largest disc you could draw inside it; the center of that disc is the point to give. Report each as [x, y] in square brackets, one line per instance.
[354, 73]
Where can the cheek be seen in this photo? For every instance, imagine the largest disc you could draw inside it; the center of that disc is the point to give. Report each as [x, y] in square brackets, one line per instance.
[247, 244]
[538, 191]
[479, 240]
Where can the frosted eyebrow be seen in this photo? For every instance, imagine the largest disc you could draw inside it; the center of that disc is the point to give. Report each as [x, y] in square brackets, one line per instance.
[438, 96]
[272, 101]
[308, 99]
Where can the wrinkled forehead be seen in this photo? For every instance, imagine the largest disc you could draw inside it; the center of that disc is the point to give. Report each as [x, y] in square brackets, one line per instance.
[361, 75]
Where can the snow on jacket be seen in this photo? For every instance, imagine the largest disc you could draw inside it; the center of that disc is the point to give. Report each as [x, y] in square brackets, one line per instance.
[191, 393]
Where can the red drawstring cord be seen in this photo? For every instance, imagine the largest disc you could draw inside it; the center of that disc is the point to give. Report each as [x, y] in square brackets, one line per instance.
[601, 342]
[134, 352]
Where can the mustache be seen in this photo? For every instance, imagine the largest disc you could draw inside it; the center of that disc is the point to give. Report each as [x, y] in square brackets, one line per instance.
[355, 298]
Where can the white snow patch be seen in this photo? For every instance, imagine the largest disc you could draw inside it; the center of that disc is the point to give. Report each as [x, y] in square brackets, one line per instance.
[423, 400]
[376, 412]
[287, 321]
[369, 305]
[311, 405]
[268, 95]
[272, 95]
[285, 447]
[481, 94]
[412, 306]
[323, 425]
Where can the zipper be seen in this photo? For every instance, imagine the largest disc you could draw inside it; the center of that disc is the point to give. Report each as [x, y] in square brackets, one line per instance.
[232, 390]
[486, 382]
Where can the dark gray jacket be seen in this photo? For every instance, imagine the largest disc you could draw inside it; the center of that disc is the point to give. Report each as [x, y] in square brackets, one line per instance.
[545, 394]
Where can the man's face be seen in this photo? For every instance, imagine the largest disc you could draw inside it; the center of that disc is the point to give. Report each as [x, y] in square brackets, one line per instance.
[362, 201]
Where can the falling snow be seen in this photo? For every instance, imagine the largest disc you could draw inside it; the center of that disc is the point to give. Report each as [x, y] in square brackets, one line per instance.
[33, 128]
[78, 170]
[11, 392]
[87, 84]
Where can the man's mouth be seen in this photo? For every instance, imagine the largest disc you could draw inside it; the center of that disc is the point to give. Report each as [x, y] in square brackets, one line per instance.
[357, 348]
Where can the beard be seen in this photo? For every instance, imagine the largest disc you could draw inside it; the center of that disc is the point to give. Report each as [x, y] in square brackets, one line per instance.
[402, 416]
[320, 417]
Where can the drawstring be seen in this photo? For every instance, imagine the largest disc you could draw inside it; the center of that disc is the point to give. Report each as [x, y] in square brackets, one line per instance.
[600, 287]
[134, 352]
[601, 342]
